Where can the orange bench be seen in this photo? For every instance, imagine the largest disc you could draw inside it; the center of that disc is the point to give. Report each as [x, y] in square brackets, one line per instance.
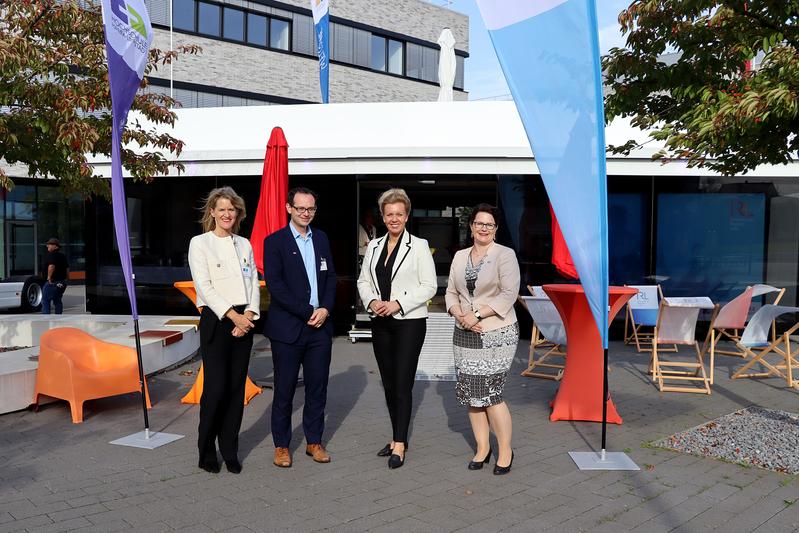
[74, 366]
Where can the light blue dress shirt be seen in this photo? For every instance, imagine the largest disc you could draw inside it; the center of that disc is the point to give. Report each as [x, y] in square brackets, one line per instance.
[309, 260]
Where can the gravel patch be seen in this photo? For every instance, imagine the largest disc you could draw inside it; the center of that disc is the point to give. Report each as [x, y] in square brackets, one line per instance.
[753, 436]
[12, 348]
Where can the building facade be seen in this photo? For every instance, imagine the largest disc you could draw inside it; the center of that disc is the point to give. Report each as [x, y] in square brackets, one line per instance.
[262, 51]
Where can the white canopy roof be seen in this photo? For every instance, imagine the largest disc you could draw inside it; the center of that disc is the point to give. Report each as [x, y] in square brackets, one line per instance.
[390, 138]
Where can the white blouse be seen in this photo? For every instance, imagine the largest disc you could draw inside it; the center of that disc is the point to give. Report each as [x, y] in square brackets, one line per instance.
[224, 273]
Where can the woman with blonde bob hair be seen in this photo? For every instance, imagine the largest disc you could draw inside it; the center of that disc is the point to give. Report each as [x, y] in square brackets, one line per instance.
[397, 279]
[226, 283]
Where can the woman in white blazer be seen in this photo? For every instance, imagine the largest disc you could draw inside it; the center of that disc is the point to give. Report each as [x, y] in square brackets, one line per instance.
[226, 283]
[397, 279]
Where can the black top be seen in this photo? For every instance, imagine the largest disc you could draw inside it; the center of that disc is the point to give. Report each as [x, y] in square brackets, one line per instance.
[383, 271]
[60, 261]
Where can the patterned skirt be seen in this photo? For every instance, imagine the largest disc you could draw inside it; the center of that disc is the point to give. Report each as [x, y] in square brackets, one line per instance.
[482, 361]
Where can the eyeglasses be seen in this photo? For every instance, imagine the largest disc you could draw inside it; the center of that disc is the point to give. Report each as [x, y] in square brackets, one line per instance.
[484, 225]
[303, 210]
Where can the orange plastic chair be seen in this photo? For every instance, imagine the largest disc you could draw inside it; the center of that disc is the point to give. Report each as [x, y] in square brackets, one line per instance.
[74, 366]
[251, 390]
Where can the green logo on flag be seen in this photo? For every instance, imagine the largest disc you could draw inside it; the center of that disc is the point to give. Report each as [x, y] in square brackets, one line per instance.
[136, 22]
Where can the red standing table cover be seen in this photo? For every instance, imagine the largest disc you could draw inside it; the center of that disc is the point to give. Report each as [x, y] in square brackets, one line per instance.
[579, 396]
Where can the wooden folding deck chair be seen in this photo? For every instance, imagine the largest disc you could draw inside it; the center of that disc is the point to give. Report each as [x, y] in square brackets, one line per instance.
[548, 335]
[537, 340]
[755, 343]
[732, 318]
[676, 325]
[642, 312]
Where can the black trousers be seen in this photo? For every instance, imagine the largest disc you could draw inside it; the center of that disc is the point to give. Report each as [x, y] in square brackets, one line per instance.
[225, 362]
[312, 350]
[397, 344]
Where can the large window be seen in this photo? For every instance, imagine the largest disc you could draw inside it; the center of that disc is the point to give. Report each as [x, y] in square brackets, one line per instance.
[387, 55]
[256, 29]
[378, 53]
[233, 25]
[279, 34]
[710, 244]
[183, 13]
[208, 19]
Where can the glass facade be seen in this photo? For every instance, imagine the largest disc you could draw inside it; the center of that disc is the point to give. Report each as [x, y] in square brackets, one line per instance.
[694, 236]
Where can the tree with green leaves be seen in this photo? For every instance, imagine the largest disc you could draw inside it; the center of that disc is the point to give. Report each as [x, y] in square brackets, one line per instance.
[55, 100]
[711, 107]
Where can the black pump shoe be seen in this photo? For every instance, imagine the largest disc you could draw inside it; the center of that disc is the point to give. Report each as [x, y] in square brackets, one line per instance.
[209, 465]
[478, 465]
[395, 461]
[386, 450]
[234, 467]
[502, 470]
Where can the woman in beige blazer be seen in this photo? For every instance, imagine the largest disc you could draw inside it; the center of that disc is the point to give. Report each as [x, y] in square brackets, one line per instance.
[397, 279]
[483, 286]
[226, 282]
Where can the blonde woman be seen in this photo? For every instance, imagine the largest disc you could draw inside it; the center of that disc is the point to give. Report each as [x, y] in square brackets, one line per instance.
[483, 286]
[226, 282]
[397, 279]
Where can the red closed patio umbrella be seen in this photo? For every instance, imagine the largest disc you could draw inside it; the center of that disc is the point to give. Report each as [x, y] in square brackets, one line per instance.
[270, 215]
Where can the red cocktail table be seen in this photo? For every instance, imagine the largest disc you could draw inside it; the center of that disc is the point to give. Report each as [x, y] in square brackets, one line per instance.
[579, 396]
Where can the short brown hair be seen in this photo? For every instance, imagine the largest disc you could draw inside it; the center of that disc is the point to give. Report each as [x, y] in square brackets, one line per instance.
[484, 208]
[394, 196]
[210, 203]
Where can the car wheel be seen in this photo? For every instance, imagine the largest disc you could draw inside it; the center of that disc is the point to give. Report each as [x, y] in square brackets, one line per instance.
[31, 298]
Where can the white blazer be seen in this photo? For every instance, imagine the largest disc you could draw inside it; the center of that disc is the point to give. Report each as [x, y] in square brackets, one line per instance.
[224, 273]
[413, 279]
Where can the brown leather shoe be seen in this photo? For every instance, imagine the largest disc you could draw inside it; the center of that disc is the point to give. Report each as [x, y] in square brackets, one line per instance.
[282, 457]
[317, 451]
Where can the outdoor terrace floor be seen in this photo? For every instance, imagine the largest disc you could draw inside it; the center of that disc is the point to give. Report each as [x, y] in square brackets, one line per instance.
[57, 476]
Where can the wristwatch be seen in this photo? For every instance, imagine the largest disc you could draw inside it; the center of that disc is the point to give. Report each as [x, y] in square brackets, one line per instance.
[477, 315]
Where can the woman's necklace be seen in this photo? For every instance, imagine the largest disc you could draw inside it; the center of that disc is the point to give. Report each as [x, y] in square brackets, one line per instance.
[479, 255]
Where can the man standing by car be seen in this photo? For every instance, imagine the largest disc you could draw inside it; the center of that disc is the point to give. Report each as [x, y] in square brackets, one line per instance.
[56, 267]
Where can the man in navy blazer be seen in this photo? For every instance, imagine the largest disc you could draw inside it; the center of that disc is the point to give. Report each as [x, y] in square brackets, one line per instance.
[301, 278]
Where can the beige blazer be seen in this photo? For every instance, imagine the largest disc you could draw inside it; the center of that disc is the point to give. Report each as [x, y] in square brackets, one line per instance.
[497, 285]
[413, 281]
[224, 273]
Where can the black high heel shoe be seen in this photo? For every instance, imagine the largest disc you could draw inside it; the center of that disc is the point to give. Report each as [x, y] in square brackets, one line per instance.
[395, 461]
[502, 470]
[386, 450]
[478, 465]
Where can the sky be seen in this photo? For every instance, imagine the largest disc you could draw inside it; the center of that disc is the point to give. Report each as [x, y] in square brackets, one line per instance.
[483, 76]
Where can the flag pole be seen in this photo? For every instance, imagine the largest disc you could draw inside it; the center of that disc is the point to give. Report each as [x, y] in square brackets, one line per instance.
[128, 34]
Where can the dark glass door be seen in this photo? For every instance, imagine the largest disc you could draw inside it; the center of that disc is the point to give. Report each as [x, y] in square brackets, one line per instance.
[21, 249]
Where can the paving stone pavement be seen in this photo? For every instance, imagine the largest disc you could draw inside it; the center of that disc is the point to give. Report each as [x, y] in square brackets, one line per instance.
[59, 476]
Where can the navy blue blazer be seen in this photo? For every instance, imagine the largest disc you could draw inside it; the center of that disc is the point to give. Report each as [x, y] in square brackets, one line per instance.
[287, 281]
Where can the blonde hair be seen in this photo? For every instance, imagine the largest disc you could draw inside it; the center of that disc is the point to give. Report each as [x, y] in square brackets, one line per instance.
[394, 196]
[208, 222]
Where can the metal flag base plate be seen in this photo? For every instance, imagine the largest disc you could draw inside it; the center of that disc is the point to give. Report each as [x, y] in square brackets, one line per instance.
[603, 461]
[148, 440]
